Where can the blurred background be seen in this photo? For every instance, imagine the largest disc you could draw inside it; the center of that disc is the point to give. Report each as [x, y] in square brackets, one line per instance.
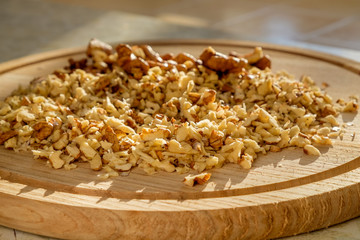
[29, 26]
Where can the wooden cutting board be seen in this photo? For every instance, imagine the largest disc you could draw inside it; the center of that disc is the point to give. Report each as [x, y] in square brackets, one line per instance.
[285, 193]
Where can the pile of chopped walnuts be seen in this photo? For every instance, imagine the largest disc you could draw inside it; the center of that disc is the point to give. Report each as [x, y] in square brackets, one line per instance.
[126, 107]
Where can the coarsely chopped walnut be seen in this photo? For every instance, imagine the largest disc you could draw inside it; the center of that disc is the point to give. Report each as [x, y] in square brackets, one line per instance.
[43, 130]
[201, 178]
[7, 135]
[129, 106]
[220, 62]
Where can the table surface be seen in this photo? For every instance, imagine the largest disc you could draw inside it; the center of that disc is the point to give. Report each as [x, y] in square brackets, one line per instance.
[33, 26]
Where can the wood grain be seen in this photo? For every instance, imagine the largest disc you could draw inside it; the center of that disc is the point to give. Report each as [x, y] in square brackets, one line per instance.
[285, 193]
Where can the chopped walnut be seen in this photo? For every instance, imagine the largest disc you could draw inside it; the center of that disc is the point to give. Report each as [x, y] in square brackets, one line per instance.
[95, 44]
[263, 63]
[43, 130]
[209, 96]
[220, 62]
[96, 163]
[129, 106]
[216, 139]
[201, 178]
[55, 160]
[311, 150]
[7, 135]
[130, 62]
[183, 57]
[111, 137]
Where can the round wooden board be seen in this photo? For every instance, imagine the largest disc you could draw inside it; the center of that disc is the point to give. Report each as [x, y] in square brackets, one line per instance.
[284, 194]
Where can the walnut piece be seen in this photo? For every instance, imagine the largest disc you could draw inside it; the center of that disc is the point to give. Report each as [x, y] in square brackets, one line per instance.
[7, 135]
[43, 130]
[201, 178]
